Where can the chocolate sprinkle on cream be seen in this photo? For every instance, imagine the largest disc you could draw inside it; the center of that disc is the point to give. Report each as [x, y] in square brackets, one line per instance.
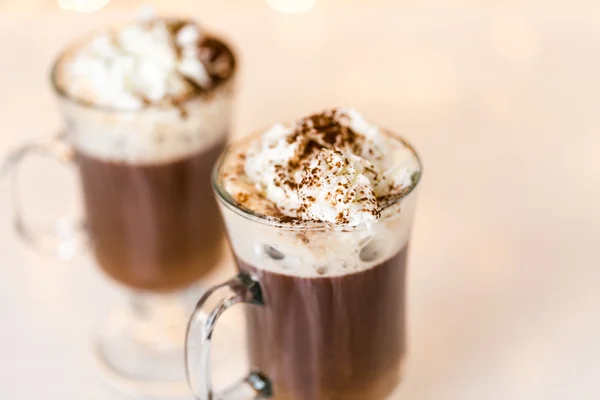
[332, 167]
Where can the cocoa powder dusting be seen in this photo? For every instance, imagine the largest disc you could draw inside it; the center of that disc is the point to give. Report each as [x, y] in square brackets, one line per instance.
[327, 139]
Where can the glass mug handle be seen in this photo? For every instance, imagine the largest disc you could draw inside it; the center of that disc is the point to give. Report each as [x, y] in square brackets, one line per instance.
[243, 289]
[66, 238]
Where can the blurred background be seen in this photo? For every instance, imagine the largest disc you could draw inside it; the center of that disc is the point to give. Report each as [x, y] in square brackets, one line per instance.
[501, 98]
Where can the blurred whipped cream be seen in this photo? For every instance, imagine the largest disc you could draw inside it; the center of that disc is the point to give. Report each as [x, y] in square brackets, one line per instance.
[333, 167]
[153, 60]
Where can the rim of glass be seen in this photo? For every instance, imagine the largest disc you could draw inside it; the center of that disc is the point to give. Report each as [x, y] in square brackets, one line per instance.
[63, 94]
[228, 201]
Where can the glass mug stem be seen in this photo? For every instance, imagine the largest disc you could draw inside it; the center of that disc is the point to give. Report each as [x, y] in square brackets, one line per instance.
[65, 238]
[243, 289]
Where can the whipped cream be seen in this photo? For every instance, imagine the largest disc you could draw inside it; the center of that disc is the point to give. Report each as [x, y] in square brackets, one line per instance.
[333, 167]
[151, 61]
[336, 193]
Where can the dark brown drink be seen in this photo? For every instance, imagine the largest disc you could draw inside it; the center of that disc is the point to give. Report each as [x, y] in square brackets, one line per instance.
[146, 134]
[318, 215]
[330, 338]
[153, 226]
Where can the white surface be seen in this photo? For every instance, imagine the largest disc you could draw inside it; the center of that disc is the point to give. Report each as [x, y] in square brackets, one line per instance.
[503, 104]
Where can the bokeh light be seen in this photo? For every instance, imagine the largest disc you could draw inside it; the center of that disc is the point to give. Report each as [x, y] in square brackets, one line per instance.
[292, 6]
[83, 6]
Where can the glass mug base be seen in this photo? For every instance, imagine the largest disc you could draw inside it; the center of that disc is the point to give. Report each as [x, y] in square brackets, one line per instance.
[138, 346]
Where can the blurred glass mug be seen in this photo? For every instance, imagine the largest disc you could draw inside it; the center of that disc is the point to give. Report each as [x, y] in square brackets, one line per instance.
[150, 217]
[331, 332]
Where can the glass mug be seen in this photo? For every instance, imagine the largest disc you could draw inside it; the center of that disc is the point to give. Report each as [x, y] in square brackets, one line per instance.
[334, 330]
[150, 219]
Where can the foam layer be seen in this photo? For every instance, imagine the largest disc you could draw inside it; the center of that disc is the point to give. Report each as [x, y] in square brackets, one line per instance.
[319, 253]
[153, 134]
[375, 173]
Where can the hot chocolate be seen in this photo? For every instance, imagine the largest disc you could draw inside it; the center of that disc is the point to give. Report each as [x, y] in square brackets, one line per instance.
[148, 107]
[339, 337]
[319, 213]
[154, 226]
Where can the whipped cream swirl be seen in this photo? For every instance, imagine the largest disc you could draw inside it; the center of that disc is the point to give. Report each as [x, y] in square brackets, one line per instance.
[333, 167]
[153, 60]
